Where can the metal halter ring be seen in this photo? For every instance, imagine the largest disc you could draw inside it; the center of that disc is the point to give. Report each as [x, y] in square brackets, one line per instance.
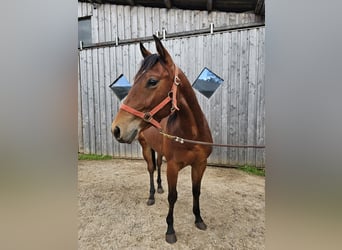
[147, 117]
[177, 80]
[170, 94]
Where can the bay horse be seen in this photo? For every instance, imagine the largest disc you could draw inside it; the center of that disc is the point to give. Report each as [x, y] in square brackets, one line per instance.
[162, 90]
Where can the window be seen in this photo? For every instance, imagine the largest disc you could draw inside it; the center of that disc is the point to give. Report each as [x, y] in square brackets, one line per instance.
[207, 82]
[84, 30]
[121, 86]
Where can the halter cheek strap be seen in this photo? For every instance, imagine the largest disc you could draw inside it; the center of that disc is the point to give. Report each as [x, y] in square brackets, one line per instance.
[148, 116]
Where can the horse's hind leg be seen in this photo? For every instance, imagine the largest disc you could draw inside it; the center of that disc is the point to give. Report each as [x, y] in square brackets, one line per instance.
[196, 175]
[160, 189]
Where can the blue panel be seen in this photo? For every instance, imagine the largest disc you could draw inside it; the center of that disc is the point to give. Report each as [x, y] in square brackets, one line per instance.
[121, 86]
[207, 82]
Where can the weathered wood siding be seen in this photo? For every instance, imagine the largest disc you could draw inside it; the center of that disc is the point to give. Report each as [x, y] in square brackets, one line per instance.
[126, 22]
[236, 111]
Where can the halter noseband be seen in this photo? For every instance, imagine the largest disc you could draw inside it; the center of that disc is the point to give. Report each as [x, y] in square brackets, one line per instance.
[148, 116]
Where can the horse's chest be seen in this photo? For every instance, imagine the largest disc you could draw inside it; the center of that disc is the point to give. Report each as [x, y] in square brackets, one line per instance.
[185, 155]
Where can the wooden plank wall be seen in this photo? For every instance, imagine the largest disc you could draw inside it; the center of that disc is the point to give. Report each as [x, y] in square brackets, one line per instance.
[128, 22]
[236, 111]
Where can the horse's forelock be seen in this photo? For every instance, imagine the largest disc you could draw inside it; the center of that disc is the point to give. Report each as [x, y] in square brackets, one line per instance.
[148, 63]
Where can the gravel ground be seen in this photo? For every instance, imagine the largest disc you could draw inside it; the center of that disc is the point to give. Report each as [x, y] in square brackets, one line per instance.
[113, 213]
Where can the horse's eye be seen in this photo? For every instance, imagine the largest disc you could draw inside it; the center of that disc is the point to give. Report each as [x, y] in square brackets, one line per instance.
[152, 82]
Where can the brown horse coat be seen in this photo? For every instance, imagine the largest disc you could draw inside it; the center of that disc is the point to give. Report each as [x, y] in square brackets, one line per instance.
[153, 84]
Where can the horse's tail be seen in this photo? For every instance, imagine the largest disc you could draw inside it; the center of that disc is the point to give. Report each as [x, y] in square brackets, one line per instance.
[153, 156]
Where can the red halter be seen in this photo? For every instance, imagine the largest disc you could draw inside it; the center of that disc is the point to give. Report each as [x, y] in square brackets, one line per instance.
[171, 97]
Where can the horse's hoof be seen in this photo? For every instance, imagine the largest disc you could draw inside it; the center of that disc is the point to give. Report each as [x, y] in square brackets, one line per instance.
[160, 190]
[201, 225]
[150, 202]
[170, 238]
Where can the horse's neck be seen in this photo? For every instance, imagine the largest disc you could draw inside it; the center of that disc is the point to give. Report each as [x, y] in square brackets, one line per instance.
[190, 114]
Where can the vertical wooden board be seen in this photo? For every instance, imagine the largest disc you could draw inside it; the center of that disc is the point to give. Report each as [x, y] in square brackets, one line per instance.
[252, 98]
[113, 21]
[179, 22]
[243, 98]
[91, 101]
[141, 22]
[225, 19]
[148, 22]
[163, 19]
[107, 23]
[90, 9]
[219, 68]
[95, 26]
[186, 20]
[84, 9]
[155, 20]
[232, 18]
[102, 140]
[206, 19]
[224, 47]
[234, 92]
[183, 54]
[214, 19]
[199, 65]
[101, 24]
[260, 130]
[134, 22]
[238, 18]
[79, 113]
[195, 23]
[171, 21]
[176, 51]
[96, 87]
[191, 59]
[127, 20]
[107, 101]
[85, 101]
[120, 22]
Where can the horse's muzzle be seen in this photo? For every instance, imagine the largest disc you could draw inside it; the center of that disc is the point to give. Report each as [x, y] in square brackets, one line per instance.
[124, 139]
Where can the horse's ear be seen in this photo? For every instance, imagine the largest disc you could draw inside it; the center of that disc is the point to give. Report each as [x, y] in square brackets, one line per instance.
[144, 51]
[162, 51]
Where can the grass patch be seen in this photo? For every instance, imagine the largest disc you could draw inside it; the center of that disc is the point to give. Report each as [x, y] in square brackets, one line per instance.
[91, 157]
[252, 170]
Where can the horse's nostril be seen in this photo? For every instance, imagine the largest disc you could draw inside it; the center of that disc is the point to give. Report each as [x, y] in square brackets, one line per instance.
[116, 132]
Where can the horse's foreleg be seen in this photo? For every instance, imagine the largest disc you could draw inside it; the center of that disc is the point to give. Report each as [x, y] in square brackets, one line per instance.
[196, 175]
[172, 175]
[159, 163]
[149, 156]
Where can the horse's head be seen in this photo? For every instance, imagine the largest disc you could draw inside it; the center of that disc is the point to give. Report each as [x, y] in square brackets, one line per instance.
[151, 97]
